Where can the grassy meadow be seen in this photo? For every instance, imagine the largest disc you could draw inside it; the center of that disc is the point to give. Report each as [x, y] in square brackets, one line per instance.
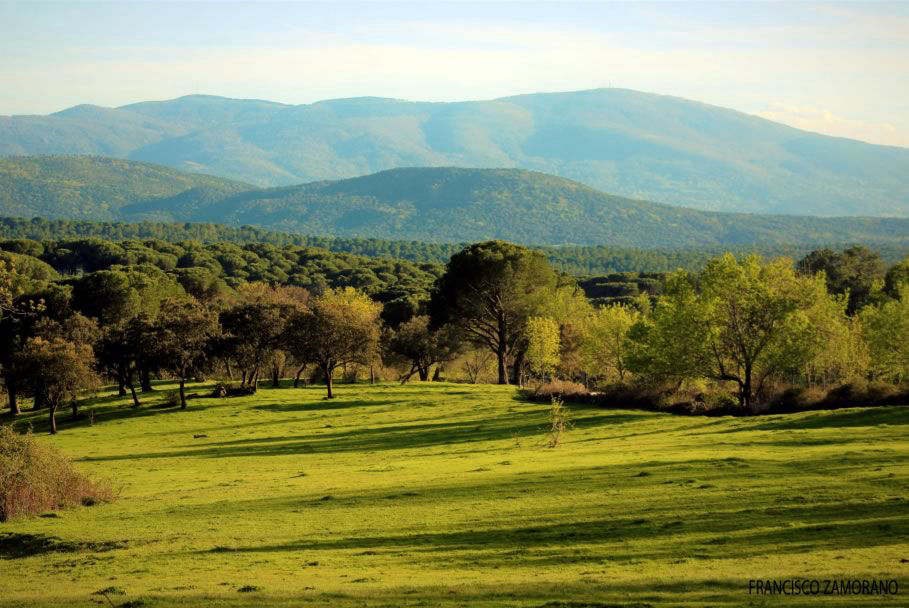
[435, 494]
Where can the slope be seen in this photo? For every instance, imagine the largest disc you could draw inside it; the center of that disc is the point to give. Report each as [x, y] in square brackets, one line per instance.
[457, 205]
[630, 143]
[81, 187]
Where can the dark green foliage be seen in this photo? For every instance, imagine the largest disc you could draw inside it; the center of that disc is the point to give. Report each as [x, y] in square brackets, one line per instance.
[488, 291]
[28, 236]
[431, 204]
[123, 277]
[635, 144]
[854, 271]
[897, 278]
[622, 287]
[83, 187]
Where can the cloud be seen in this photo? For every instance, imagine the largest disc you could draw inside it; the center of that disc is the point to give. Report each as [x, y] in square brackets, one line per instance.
[824, 121]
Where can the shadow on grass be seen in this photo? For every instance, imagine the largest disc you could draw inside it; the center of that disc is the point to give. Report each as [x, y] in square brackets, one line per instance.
[327, 404]
[895, 415]
[392, 437]
[15, 546]
[700, 535]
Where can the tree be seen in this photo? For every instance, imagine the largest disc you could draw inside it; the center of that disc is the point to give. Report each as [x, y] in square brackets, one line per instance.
[854, 271]
[605, 345]
[76, 329]
[184, 332]
[887, 331]
[489, 290]
[897, 277]
[422, 347]
[845, 355]
[542, 345]
[255, 328]
[740, 322]
[119, 348]
[341, 326]
[62, 368]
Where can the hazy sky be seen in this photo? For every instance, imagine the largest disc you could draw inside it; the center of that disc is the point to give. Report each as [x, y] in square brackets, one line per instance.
[837, 68]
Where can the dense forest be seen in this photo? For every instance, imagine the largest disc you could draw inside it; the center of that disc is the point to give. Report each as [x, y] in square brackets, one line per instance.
[434, 204]
[742, 331]
[593, 260]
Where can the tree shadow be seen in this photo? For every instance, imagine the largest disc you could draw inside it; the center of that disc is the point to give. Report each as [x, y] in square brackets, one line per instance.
[390, 437]
[702, 535]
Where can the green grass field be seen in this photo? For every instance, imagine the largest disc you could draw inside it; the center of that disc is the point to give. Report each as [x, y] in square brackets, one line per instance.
[445, 495]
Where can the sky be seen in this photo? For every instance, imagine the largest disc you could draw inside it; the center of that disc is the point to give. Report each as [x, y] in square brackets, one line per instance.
[837, 68]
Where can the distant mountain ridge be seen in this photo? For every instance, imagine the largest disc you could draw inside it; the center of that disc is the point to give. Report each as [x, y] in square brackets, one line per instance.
[432, 204]
[625, 142]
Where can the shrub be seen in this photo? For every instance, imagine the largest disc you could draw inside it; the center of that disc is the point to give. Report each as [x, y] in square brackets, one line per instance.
[559, 422]
[861, 393]
[35, 478]
[796, 399]
[560, 389]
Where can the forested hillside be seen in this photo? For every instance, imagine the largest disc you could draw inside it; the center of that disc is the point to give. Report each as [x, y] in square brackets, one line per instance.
[578, 261]
[426, 204]
[82, 187]
[626, 142]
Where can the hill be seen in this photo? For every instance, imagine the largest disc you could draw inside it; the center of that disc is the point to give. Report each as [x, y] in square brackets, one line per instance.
[427, 204]
[438, 494]
[81, 187]
[626, 142]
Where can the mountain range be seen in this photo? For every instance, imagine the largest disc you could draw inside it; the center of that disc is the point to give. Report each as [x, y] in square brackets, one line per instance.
[628, 143]
[433, 204]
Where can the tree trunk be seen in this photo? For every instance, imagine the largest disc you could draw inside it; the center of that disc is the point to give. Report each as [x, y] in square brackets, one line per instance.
[182, 393]
[436, 376]
[145, 379]
[75, 410]
[372, 374]
[327, 373]
[254, 380]
[517, 368]
[121, 387]
[297, 377]
[13, 398]
[53, 419]
[746, 388]
[275, 377]
[424, 373]
[40, 399]
[243, 378]
[503, 376]
[132, 391]
[230, 372]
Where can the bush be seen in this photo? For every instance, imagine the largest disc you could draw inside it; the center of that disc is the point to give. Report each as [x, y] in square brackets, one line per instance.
[560, 389]
[858, 393]
[796, 399]
[695, 398]
[35, 478]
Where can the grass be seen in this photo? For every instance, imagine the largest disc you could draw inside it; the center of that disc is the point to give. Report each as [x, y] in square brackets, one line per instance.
[446, 495]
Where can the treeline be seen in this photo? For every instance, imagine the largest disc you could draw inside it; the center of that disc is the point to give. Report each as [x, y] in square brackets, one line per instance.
[77, 312]
[212, 271]
[574, 260]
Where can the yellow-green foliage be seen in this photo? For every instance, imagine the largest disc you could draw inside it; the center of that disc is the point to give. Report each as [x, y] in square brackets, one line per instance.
[605, 346]
[542, 344]
[887, 332]
[445, 495]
